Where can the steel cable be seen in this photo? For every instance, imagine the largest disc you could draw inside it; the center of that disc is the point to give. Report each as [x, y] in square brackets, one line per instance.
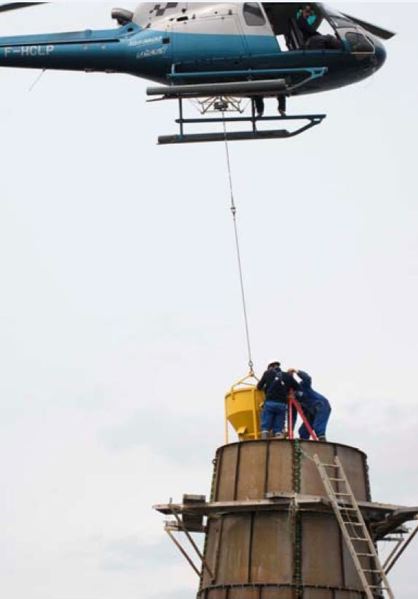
[239, 259]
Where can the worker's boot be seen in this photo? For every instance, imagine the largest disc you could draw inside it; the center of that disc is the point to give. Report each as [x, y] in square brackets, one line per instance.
[282, 105]
[280, 436]
[259, 105]
[265, 434]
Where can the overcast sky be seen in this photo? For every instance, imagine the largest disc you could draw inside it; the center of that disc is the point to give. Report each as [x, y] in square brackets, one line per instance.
[120, 315]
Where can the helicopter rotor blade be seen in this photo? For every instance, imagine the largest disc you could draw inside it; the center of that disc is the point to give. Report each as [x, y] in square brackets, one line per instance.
[17, 5]
[384, 34]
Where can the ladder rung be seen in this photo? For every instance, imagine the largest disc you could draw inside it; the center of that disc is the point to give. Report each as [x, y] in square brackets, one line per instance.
[351, 522]
[375, 571]
[377, 586]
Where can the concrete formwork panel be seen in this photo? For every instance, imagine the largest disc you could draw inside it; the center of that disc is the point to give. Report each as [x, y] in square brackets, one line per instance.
[279, 553]
[251, 469]
[235, 550]
[355, 466]
[310, 481]
[272, 549]
[279, 468]
[226, 474]
[321, 551]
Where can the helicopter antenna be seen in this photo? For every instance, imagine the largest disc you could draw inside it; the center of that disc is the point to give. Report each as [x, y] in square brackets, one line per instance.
[238, 248]
[36, 81]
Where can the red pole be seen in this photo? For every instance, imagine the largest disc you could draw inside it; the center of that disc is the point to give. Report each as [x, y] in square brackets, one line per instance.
[294, 402]
[290, 433]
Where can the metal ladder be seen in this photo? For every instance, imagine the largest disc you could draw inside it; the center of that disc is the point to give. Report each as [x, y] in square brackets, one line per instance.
[354, 529]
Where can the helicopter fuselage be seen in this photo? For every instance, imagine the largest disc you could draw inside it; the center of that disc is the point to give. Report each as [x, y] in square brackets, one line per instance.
[195, 47]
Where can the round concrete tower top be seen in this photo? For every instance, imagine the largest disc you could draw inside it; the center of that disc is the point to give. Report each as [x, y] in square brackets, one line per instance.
[253, 470]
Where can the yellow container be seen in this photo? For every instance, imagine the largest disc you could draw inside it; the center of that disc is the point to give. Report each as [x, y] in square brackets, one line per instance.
[243, 411]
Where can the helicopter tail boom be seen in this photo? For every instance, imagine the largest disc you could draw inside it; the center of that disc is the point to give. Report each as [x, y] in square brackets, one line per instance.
[79, 51]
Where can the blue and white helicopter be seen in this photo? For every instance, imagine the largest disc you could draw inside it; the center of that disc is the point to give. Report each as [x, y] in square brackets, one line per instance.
[219, 54]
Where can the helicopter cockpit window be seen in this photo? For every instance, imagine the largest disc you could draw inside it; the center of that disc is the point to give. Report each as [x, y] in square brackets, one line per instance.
[301, 26]
[253, 15]
[337, 19]
[359, 43]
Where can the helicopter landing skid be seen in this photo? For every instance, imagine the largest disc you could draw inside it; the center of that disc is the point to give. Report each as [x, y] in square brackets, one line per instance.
[311, 120]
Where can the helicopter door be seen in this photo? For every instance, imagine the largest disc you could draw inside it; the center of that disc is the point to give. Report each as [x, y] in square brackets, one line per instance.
[259, 36]
[209, 33]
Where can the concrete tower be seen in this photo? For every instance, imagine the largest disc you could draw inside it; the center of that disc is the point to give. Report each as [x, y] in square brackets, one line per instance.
[288, 519]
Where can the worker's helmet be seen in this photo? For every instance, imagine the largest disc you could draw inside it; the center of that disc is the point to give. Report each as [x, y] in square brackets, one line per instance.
[274, 365]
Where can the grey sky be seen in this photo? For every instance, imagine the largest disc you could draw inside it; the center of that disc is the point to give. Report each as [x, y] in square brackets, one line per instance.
[120, 314]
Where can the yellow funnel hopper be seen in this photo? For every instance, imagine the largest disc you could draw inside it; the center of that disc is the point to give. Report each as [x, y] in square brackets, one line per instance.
[243, 410]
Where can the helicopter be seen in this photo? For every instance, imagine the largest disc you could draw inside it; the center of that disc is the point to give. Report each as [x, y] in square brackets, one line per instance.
[217, 54]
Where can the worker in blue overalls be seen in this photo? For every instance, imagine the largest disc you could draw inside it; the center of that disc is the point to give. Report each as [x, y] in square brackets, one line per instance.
[316, 407]
[276, 385]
